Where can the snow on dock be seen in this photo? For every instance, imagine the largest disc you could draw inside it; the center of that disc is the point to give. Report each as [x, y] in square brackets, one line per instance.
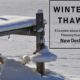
[8, 22]
[14, 70]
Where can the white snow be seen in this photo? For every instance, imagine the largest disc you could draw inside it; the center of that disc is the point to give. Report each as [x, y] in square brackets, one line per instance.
[68, 61]
[14, 70]
[11, 22]
[40, 30]
[15, 22]
[44, 56]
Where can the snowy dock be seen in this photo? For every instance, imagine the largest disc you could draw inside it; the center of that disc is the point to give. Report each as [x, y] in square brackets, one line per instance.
[10, 22]
[14, 70]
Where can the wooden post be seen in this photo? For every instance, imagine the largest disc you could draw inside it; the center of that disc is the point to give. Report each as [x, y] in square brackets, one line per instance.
[40, 68]
[40, 38]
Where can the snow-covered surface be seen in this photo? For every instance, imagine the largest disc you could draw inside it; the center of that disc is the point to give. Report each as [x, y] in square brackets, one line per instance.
[44, 56]
[15, 22]
[66, 64]
[68, 61]
[11, 22]
[14, 70]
